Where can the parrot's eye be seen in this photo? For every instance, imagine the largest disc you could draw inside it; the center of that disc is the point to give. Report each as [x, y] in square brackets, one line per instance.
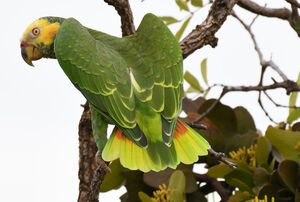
[36, 31]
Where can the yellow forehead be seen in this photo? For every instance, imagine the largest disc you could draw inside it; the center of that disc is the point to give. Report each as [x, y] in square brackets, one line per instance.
[48, 31]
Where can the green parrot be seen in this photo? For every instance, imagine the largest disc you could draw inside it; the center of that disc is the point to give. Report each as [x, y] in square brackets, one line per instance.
[134, 83]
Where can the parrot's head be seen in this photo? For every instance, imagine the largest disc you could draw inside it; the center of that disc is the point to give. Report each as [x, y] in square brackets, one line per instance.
[38, 39]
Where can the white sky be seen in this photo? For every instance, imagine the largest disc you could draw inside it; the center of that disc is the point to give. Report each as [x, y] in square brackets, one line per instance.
[40, 109]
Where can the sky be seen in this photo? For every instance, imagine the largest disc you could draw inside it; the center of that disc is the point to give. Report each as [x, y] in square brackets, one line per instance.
[40, 109]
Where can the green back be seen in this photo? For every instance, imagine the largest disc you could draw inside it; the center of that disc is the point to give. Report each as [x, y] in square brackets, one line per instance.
[112, 72]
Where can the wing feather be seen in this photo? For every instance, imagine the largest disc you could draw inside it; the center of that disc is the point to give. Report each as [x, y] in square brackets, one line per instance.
[98, 71]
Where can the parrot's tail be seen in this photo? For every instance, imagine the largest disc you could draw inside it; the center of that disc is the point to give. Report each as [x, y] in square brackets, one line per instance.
[186, 147]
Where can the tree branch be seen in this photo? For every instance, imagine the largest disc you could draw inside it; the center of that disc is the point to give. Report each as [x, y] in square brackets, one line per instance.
[124, 11]
[288, 85]
[281, 13]
[87, 152]
[204, 33]
[294, 3]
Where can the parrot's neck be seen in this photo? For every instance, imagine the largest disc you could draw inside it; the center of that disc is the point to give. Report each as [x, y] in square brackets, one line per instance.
[48, 50]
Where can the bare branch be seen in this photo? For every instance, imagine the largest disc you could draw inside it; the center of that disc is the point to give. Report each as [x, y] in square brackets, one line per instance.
[204, 33]
[294, 3]
[264, 110]
[124, 10]
[262, 61]
[288, 85]
[221, 157]
[87, 152]
[211, 107]
[98, 178]
[279, 105]
[282, 13]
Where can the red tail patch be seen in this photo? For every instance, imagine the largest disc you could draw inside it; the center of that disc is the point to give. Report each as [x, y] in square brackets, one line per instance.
[180, 129]
[120, 135]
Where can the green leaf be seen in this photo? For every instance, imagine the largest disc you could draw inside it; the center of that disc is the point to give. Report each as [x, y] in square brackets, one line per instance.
[219, 171]
[260, 177]
[192, 90]
[288, 171]
[144, 197]
[114, 179]
[177, 186]
[285, 142]
[240, 179]
[245, 122]
[182, 5]
[192, 81]
[154, 179]
[197, 3]
[240, 196]
[294, 114]
[182, 28]
[169, 19]
[206, 92]
[262, 153]
[204, 70]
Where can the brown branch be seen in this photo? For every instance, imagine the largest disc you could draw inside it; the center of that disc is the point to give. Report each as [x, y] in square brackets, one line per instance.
[222, 191]
[280, 105]
[294, 3]
[87, 152]
[221, 157]
[98, 177]
[124, 11]
[204, 33]
[288, 85]
[282, 13]
[262, 61]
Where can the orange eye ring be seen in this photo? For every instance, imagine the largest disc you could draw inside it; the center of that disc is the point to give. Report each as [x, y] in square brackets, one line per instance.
[36, 31]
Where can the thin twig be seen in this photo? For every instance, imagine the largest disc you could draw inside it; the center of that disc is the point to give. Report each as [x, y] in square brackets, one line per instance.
[282, 13]
[280, 105]
[288, 85]
[211, 107]
[221, 157]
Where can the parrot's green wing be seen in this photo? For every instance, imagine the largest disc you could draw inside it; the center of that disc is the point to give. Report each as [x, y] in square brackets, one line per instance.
[155, 58]
[155, 61]
[101, 74]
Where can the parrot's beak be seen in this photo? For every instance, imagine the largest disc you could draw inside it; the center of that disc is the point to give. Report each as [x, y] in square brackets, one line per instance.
[30, 53]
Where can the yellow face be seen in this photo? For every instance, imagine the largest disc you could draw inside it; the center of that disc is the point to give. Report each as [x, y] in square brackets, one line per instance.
[39, 34]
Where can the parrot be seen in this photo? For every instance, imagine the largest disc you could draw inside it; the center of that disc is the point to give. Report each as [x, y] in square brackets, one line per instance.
[134, 83]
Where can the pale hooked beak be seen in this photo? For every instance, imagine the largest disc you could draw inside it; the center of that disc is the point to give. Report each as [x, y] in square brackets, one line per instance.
[30, 53]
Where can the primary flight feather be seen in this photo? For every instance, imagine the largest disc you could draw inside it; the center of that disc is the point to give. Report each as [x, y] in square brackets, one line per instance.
[134, 83]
